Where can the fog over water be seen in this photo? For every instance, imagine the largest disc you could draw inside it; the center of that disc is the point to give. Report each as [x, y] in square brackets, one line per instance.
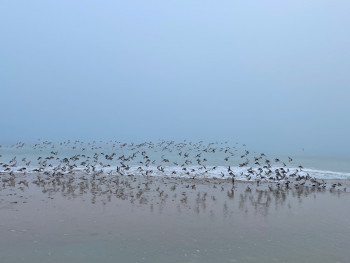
[271, 74]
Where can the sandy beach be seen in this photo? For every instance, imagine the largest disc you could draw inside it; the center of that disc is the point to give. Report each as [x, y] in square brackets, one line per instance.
[152, 219]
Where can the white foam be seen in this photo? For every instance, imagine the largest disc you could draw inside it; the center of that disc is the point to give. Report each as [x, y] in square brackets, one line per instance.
[219, 172]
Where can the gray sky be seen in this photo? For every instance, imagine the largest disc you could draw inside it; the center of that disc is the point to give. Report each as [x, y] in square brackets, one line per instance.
[273, 74]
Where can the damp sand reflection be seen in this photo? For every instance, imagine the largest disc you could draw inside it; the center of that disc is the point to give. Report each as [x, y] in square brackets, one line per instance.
[107, 218]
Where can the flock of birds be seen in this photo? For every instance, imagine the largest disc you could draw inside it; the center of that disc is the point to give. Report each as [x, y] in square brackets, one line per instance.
[128, 170]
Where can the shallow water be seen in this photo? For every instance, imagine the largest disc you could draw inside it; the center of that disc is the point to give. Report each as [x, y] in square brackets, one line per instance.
[217, 222]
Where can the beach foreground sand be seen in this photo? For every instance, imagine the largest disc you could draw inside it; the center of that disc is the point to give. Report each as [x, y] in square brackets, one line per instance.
[159, 219]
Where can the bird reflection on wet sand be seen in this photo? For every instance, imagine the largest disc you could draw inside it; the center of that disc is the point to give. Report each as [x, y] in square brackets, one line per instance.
[198, 195]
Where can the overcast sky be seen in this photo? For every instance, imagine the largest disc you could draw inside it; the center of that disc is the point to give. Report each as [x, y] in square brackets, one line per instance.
[272, 74]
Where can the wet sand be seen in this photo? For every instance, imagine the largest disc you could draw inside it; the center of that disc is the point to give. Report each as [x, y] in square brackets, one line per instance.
[151, 219]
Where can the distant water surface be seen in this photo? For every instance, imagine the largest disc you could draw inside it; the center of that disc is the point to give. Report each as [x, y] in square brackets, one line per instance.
[319, 166]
